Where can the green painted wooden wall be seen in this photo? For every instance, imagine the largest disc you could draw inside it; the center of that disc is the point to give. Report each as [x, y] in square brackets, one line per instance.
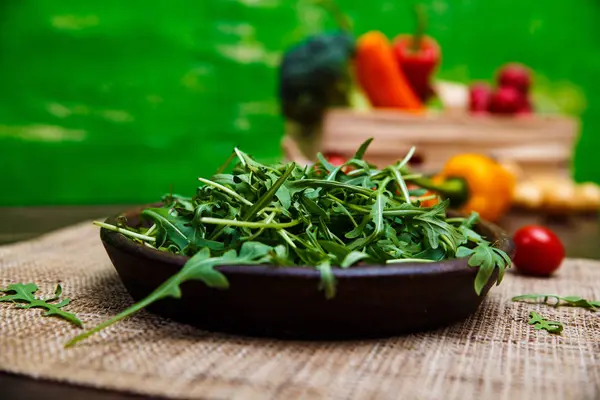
[114, 102]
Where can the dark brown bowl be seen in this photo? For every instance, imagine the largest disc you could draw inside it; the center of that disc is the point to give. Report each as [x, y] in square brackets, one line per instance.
[371, 301]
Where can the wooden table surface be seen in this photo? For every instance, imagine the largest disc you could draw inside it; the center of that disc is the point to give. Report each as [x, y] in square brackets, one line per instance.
[580, 234]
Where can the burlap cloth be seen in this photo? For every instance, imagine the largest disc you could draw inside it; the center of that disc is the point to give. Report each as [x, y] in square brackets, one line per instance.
[493, 355]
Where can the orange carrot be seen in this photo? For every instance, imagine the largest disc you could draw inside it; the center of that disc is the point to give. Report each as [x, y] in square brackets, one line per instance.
[379, 76]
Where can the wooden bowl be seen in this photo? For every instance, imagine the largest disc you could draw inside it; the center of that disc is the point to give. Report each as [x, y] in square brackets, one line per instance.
[371, 301]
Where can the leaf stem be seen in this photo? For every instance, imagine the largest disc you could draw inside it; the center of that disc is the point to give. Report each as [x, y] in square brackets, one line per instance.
[455, 189]
[164, 290]
[267, 220]
[240, 156]
[455, 220]
[285, 236]
[151, 230]
[401, 183]
[226, 190]
[124, 231]
[407, 260]
[248, 224]
[406, 158]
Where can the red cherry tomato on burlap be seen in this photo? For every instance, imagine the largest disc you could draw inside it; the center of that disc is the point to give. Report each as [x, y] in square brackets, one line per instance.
[539, 251]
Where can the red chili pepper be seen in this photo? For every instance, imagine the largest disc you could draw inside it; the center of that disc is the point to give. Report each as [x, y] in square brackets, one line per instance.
[418, 55]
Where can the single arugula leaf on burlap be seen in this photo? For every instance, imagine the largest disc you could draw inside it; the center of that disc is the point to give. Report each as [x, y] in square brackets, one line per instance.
[568, 301]
[540, 322]
[200, 267]
[23, 294]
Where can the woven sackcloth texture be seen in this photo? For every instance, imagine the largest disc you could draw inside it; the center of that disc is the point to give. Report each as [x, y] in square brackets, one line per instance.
[494, 354]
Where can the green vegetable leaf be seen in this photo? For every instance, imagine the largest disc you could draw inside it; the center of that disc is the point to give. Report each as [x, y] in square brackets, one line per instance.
[540, 322]
[377, 214]
[170, 228]
[360, 153]
[284, 197]
[313, 208]
[199, 267]
[356, 232]
[486, 258]
[253, 252]
[329, 167]
[556, 301]
[339, 251]
[268, 196]
[304, 183]
[328, 282]
[24, 295]
[352, 258]
[463, 252]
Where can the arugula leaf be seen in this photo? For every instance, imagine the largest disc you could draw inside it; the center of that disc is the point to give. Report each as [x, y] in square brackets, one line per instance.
[329, 167]
[268, 196]
[337, 250]
[503, 261]
[24, 295]
[570, 301]
[464, 252]
[487, 259]
[284, 197]
[333, 174]
[356, 232]
[352, 258]
[327, 279]
[304, 183]
[482, 258]
[199, 267]
[313, 208]
[540, 322]
[360, 153]
[170, 228]
[253, 252]
[377, 214]
[436, 254]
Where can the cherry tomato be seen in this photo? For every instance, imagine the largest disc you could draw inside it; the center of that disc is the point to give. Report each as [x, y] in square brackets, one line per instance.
[539, 251]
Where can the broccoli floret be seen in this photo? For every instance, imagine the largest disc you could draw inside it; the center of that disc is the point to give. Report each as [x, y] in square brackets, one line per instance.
[314, 76]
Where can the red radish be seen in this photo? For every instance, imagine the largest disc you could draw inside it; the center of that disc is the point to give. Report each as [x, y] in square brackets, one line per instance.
[505, 100]
[479, 97]
[515, 76]
[526, 107]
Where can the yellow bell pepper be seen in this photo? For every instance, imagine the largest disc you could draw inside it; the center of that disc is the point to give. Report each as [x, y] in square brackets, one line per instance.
[474, 182]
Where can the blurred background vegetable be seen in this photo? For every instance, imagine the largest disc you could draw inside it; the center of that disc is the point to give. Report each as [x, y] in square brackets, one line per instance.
[473, 183]
[418, 56]
[378, 74]
[511, 96]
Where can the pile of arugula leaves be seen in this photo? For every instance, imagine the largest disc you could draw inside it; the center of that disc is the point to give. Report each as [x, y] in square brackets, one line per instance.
[320, 216]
